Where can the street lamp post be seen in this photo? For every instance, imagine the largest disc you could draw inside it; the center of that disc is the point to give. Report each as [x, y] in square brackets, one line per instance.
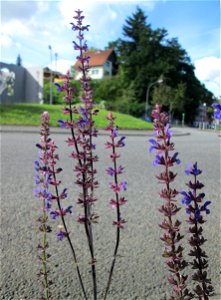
[51, 75]
[204, 114]
[56, 59]
[148, 93]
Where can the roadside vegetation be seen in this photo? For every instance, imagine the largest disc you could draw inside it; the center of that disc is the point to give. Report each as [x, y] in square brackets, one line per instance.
[29, 114]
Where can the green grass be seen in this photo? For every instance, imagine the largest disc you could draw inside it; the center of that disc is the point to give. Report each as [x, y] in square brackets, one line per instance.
[29, 114]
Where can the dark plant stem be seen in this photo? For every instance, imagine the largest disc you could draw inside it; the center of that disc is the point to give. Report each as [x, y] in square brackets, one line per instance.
[200, 267]
[88, 230]
[68, 237]
[87, 212]
[45, 229]
[44, 254]
[195, 208]
[118, 220]
[171, 237]
[87, 206]
[173, 246]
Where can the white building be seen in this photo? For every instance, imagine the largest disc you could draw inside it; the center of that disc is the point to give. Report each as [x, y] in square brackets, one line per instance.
[102, 64]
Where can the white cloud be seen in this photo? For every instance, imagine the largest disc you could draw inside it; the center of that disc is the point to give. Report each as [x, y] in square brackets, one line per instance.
[16, 28]
[12, 10]
[208, 71]
[18, 45]
[6, 40]
[19, 18]
[12, 32]
[43, 6]
[98, 14]
[89, 7]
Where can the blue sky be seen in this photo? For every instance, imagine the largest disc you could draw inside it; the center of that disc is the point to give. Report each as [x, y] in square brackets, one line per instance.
[28, 27]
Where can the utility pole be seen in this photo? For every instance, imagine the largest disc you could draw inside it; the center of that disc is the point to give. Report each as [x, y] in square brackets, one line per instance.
[51, 76]
[148, 93]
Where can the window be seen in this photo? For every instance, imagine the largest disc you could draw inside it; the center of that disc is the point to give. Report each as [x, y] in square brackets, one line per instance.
[94, 71]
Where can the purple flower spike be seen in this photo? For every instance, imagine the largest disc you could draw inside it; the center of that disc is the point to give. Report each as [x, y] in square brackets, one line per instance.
[46, 167]
[204, 207]
[64, 194]
[124, 185]
[76, 46]
[61, 235]
[69, 209]
[110, 171]
[115, 133]
[62, 123]
[54, 214]
[82, 131]
[154, 145]
[42, 166]
[171, 237]
[175, 159]
[116, 186]
[187, 198]
[84, 118]
[192, 169]
[167, 131]
[158, 160]
[195, 209]
[120, 170]
[121, 143]
[217, 113]
[58, 87]
[37, 165]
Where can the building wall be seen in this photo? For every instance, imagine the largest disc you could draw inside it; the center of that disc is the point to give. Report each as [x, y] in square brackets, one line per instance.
[34, 85]
[19, 84]
[28, 85]
[94, 73]
[108, 69]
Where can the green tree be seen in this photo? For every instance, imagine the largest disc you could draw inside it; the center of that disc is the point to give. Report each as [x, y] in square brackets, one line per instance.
[18, 60]
[146, 55]
[171, 98]
[58, 96]
[140, 54]
[115, 94]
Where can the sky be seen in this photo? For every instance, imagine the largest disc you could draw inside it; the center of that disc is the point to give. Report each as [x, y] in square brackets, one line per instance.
[29, 27]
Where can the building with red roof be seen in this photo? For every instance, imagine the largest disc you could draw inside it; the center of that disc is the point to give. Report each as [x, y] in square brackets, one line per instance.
[103, 63]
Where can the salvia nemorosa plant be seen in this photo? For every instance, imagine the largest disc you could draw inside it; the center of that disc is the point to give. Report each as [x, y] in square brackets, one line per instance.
[47, 170]
[196, 208]
[82, 132]
[116, 186]
[217, 112]
[42, 193]
[81, 125]
[173, 251]
[79, 120]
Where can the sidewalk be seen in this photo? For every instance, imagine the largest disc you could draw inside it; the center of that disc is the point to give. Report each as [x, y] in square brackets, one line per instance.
[57, 130]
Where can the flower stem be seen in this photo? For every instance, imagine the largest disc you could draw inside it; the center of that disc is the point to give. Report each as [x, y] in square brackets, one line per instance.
[172, 234]
[118, 220]
[44, 254]
[68, 237]
[200, 269]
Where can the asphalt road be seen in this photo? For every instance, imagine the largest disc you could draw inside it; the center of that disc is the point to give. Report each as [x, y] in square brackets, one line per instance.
[140, 272]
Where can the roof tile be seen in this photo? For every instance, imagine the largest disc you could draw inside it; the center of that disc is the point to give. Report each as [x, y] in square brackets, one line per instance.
[97, 58]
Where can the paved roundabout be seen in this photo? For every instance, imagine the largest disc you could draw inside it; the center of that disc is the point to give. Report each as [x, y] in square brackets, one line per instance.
[140, 272]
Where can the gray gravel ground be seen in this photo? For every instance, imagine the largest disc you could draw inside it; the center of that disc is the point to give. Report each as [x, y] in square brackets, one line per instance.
[140, 272]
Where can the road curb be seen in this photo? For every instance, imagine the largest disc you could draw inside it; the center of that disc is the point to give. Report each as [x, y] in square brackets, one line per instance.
[35, 130]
